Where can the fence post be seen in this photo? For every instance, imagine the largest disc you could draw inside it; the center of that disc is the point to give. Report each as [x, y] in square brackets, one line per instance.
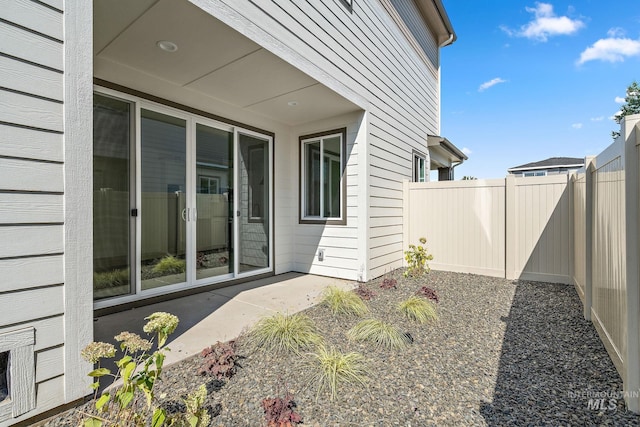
[510, 229]
[406, 213]
[631, 133]
[589, 166]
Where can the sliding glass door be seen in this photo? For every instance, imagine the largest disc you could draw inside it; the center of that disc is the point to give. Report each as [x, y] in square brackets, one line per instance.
[214, 179]
[163, 152]
[254, 204]
[179, 201]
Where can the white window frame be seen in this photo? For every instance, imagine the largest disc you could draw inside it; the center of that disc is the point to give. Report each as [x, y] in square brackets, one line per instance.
[419, 158]
[534, 173]
[321, 137]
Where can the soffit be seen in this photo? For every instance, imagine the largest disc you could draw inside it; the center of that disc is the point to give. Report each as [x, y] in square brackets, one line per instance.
[212, 59]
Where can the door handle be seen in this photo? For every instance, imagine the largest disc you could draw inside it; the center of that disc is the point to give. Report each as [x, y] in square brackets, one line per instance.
[194, 214]
[184, 214]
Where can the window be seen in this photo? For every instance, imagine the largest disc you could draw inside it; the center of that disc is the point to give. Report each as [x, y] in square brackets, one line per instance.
[209, 185]
[348, 4]
[419, 167]
[323, 182]
[535, 173]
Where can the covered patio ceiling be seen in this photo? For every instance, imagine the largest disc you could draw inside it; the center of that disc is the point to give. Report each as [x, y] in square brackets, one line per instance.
[211, 59]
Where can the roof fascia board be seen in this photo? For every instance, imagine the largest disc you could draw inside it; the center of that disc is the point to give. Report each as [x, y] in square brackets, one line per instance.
[435, 16]
[579, 165]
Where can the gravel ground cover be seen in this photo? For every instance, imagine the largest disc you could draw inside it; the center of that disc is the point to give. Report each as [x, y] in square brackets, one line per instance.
[502, 353]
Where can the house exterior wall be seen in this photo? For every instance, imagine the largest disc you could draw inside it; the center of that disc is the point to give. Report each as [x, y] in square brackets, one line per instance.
[378, 70]
[44, 66]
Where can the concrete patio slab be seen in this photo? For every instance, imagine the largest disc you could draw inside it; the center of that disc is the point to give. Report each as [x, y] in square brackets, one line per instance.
[222, 314]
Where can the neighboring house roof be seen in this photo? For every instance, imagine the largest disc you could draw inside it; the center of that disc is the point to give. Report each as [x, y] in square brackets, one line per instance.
[552, 162]
[445, 149]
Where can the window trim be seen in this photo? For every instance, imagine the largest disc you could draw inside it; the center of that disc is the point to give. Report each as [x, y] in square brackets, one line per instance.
[529, 174]
[342, 220]
[418, 155]
[22, 380]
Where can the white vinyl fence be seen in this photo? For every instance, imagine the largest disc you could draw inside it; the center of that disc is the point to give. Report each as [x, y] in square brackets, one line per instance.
[514, 227]
[581, 229]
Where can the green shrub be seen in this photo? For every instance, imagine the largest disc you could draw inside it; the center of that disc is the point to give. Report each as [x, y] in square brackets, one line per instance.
[282, 333]
[330, 368]
[135, 402]
[418, 309]
[417, 258]
[170, 265]
[110, 279]
[343, 302]
[379, 332]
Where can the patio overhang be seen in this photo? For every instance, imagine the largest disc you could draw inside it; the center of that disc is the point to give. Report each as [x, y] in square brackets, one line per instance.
[443, 153]
[174, 50]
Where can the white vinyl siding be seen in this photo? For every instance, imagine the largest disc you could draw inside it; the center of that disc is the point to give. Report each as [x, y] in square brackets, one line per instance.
[32, 203]
[379, 66]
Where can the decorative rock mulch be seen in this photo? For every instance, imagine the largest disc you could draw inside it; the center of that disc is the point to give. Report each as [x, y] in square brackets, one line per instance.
[502, 353]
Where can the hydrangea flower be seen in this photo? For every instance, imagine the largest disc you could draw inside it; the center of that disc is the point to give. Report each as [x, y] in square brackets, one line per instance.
[133, 342]
[97, 350]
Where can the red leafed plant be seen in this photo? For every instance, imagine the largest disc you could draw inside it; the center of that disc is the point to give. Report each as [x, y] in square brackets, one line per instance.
[220, 360]
[429, 293]
[280, 411]
[365, 293]
[389, 283]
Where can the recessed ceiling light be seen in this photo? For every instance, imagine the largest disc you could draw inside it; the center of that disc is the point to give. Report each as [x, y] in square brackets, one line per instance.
[167, 46]
[292, 103]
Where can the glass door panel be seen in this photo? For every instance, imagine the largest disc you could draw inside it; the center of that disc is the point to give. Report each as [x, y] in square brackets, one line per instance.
[163, 200]
[253, 203]
[214, 202]
[111, 197]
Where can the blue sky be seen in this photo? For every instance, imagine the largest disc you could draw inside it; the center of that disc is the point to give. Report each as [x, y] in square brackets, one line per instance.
[530, 80]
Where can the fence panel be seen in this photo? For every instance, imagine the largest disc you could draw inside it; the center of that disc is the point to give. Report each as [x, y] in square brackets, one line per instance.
[464, 223]
[542, 235]
[608, 309]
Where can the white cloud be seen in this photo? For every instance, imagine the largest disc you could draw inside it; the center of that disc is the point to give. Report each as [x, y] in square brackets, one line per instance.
[597, 119]
[545, 24]
[486, 85]
[616, 32]
[577, 125]
[610, 50]
[466, 151]
[619, 100]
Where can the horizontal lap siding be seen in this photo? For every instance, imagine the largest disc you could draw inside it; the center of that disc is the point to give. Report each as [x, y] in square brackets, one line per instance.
[383, 68]
[32, 186]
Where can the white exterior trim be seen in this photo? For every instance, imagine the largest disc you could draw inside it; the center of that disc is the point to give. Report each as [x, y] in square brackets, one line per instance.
[78, 179]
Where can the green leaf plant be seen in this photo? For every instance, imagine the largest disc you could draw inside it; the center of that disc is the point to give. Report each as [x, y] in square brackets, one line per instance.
[135, 401]
[417, 258]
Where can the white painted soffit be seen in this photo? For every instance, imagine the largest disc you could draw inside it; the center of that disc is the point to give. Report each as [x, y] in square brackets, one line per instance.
[436, 17]
[445, 149]
[211, 59]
